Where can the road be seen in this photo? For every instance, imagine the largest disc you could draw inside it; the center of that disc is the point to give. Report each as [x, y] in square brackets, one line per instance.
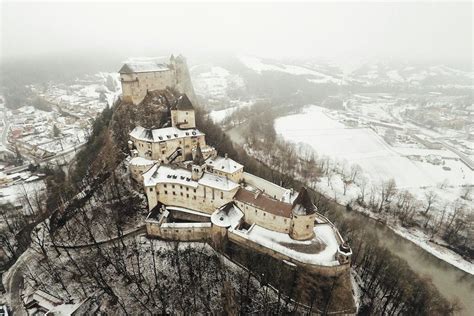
[6, 126]
[13, 282]
[13, 278]
[59, 155]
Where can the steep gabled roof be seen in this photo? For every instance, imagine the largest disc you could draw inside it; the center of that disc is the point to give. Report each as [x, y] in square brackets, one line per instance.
[198, 157]
[303, 205]
[183, 103]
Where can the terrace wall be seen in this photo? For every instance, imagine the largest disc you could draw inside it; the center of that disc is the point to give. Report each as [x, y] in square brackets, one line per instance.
[322, 270]
[179, 231]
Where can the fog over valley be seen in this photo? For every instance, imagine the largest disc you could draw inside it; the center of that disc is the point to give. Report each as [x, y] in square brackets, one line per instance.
[306, 158]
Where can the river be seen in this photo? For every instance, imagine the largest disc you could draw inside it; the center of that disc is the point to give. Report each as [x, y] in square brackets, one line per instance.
[450, 281]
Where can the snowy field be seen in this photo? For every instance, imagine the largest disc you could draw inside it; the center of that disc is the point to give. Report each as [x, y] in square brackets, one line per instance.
[215, 83]
[364, 147]
[218, 116]
[258, 65]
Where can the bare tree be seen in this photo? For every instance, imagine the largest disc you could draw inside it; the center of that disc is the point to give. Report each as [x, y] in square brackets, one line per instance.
[431, 198]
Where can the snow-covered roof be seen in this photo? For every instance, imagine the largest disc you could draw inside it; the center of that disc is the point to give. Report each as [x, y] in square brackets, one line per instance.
[226, 165]
[227, 215]
[163, 134]
[217, 182]
[167, 174]
[143, 66]
[139, 161]
[186, 210]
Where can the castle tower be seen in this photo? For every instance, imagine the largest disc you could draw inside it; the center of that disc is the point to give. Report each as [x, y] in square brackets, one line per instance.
[198, 164]
[139, 77]
[182, 113]
[303, 215]
[183, 78]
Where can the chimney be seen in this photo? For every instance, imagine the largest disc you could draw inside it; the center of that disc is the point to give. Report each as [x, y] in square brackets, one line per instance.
[257, 194]
[225, 156]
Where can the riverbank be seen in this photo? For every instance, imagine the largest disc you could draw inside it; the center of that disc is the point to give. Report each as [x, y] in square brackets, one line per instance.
[423, 241]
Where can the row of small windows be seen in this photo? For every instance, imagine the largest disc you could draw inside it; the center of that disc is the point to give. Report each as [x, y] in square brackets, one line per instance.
[181, 193]
[181, 187]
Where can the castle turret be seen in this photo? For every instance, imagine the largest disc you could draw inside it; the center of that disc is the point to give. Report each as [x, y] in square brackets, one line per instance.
[198, 164]
[182, 113]
[303, 214]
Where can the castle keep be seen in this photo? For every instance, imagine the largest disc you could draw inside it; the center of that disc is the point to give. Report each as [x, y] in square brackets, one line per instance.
[138, 77]
[194, 194]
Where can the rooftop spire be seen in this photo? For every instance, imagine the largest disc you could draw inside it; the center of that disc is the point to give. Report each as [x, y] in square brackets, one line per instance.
[303, 205]
[198, 157]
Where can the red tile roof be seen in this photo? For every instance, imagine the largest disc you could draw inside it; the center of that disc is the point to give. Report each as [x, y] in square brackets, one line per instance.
[264, 202]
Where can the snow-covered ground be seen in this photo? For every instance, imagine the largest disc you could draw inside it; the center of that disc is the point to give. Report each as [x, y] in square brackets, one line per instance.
[215, 84]
[364, 147]
[325, 238]
[218, 116]
[258, 65]
[379, 161]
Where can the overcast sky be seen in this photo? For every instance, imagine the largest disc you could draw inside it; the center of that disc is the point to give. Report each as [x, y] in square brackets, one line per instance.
[421, 31]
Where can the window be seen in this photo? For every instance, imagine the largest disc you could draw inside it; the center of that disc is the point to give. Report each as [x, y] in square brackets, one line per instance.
[164, 185]
[162, 152]
[264, 214]
[194, 190]
[194, 197]
[174, 193]
[187, 195]
[222, 195]
[181, 187]
[307, 226]
[151, 189]
[187, 189]
[166, 192]
[274, 217]
[172, 186]
[181, 193]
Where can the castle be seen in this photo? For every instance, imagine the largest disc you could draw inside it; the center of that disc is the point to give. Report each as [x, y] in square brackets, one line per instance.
[194, 194]
[139, 76]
